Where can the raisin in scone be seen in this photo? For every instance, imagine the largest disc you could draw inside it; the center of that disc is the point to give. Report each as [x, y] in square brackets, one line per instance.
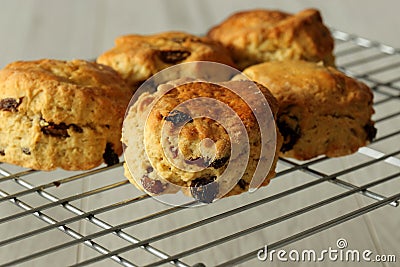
[138, 57]
[65, 114]
[171, 146]
[261, 35]
[321, 110]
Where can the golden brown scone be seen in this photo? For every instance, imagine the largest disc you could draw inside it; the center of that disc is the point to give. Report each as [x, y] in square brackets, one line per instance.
[138, 57]
[261, 35]
[321, 110]
[183, 158]
[65, 114]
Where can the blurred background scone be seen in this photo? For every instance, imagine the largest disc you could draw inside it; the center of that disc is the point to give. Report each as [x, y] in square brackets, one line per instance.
[260, 35]
[137, 57]
[65, 114]
[321, 110]
[196, 150]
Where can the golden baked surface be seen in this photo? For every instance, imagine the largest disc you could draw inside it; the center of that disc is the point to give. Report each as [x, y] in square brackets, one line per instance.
[321, 110]
[261, 35]
[138, 57]
[190, 135]
[65, 114]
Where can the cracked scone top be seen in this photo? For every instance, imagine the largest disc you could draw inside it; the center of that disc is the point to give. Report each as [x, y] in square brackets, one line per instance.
[137, 57]
[321, 110]
[260, 35]
[153, 157]
[65, 114]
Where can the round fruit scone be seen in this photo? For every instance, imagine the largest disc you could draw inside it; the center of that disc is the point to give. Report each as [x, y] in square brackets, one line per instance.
[321, 110]
[65, 114]
[201, 138]
[261, 35]
[137, 57]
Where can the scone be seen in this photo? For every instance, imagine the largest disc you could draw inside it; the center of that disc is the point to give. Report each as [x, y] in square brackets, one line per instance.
[173, 141]
[321, 110]
[65, 114]
[260, 35]
[138, 57]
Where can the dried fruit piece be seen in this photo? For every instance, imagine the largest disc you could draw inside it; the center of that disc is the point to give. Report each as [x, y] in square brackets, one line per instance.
[178, 118]
[26, 150]
[199, 161]
[174, 152]
[290, 134]
[10, 104]
[109, 156]
[76, 128]
[58, 130]
[218, 163]
[370, 130]
[242, 184]
[204, 189]
[152, 186]
[173, 56]
[2, 152]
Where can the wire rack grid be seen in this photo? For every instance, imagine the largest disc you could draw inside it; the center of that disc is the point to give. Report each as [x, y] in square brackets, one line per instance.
[99, 217]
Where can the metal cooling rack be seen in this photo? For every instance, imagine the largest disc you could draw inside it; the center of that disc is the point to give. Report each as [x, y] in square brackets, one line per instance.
[98, 216]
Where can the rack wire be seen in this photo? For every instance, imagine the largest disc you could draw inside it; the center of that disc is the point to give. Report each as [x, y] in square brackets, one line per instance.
[98, 216]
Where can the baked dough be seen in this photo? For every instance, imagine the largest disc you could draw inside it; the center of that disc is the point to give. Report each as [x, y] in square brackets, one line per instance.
[65, 114]
[261, 35]
[321, 110]
[137, 57]
[203, 143]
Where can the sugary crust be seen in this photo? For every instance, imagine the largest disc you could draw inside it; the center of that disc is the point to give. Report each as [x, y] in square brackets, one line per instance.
[198, 129]
[138, 57]
[68, 112]
[329, 111]
[261, 35]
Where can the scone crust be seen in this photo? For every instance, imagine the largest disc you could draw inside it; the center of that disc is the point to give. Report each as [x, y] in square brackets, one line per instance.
[261, 35]
[68, 113]
[138, 57]
[328, 111]
[196, 130]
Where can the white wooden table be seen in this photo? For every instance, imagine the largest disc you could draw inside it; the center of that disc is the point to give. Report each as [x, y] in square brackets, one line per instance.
[33, 29]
